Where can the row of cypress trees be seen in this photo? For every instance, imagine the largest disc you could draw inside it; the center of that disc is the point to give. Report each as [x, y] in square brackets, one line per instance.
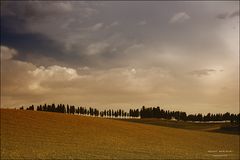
[151, 112]
[71, 109]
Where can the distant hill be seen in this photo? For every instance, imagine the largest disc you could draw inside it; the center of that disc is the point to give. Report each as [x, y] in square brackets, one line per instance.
[31, 134]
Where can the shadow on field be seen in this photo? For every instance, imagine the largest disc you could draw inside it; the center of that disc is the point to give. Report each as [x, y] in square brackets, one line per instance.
[226, 128]
[229, 129]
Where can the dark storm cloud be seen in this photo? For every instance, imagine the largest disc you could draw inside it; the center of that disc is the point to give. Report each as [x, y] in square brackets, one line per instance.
[65, 30]
[32, 43]
[36, 48]
[16, 15]
[34, 9]
[105, 35]
[16, 31]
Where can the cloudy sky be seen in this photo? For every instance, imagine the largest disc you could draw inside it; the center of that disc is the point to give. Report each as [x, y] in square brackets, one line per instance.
[176, 55]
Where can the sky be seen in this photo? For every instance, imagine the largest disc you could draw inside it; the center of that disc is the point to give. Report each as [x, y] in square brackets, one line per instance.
[125, 54]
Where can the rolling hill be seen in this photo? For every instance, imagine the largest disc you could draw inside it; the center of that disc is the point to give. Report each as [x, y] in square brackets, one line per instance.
[41, 135]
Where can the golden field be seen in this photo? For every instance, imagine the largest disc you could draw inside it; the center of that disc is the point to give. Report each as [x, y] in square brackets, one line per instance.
[41, 135]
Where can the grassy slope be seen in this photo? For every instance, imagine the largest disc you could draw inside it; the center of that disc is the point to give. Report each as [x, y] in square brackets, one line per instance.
[31, 134]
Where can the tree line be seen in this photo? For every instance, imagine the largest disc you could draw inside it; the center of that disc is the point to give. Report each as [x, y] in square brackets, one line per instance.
[71, 109]
[151, 112]
[156, 112]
